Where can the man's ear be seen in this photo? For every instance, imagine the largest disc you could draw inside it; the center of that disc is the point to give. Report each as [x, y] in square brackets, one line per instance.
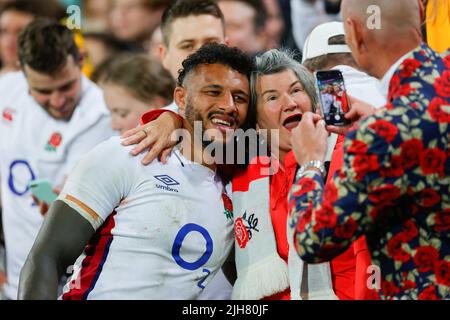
[179, 96]
[422, 11]
[354, 36]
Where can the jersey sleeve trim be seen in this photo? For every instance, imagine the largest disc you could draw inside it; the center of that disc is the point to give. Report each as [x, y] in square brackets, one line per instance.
[84, 210]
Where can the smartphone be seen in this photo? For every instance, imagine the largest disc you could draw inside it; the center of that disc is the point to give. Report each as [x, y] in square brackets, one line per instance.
[42, 190]
[332, 93]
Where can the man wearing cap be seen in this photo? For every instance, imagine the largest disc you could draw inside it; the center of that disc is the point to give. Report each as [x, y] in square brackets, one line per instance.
[325, 49]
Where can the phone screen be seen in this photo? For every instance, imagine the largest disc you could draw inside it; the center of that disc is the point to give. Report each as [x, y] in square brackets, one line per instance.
[42, 190]
[333, 97]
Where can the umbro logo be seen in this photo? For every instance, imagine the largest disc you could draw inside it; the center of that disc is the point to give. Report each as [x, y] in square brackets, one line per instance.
[168, 181]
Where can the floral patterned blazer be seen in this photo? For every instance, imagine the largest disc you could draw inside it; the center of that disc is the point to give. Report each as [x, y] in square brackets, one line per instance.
[394, 187]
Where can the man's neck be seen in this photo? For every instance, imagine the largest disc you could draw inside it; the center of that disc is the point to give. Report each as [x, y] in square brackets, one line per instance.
[193, 150]
[391, 56]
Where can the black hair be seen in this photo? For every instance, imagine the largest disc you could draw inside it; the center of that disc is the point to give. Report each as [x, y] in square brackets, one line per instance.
[214, 53]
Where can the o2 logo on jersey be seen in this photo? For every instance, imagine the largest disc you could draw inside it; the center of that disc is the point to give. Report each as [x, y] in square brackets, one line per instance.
[22, 169]
[192, 266]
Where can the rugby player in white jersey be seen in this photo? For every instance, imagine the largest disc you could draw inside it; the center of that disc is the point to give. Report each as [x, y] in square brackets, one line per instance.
[156, 232]
[186, 26]
[51, 116]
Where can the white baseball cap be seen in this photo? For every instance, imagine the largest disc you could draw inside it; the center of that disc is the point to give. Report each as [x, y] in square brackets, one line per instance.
[317, 42]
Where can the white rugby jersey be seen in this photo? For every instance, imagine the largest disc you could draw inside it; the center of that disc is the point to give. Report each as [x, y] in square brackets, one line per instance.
[163, 231]
[33, 145]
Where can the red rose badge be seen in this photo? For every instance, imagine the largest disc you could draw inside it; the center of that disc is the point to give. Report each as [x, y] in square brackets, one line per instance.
[54, 142]
[241, 233]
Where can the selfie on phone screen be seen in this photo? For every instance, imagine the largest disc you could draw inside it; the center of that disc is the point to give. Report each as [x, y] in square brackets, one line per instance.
[333, 97]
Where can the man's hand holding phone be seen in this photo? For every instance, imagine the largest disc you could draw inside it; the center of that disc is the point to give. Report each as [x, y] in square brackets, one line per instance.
[43, 194]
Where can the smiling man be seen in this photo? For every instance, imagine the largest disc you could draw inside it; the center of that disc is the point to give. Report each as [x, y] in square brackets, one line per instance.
[51, 115]
[145, 234]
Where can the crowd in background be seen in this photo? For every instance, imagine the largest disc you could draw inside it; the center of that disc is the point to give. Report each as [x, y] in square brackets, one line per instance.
[120, 42]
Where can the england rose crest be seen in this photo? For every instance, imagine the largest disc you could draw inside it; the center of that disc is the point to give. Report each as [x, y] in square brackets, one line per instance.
[241, 233]
[54, 142]
[228, 206]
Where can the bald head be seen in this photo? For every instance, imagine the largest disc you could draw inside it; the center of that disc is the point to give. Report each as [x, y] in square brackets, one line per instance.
[379, 32]
[398, 17]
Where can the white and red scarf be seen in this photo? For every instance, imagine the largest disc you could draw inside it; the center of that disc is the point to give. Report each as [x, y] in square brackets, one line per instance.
[261, 271]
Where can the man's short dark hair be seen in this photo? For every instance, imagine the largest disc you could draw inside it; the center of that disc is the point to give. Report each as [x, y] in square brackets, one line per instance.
[44, 46]
[214, 53]
[155, 4]
[328, 61]
[259, 22]
[185, 8]
[38, 8]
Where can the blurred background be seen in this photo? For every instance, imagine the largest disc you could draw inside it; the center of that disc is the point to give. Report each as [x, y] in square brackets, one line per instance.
[112, 26]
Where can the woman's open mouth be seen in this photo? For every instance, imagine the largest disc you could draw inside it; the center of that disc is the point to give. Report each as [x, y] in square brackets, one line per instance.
[293, 121]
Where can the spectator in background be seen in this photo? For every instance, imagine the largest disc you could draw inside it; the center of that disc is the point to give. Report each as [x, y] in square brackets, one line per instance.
[325, 49]
[287, 38]
[393, 186]
[96, 15]
[275, 24]
[52, 115]
[306, 15]
[156, 42]
[132, 85]
[186, 26]
[245, 23]
[15, 15]
[134, 21]
[100, 46]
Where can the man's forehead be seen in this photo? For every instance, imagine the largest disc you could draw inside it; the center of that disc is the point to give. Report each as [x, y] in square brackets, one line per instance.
[39, 80]
[197, 27]
[218, 74]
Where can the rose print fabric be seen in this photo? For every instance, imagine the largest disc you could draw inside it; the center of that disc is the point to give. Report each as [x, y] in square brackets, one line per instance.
[394, 187]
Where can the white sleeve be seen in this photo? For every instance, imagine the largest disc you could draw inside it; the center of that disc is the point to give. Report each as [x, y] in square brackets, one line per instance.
[172, 107]
[100, 181]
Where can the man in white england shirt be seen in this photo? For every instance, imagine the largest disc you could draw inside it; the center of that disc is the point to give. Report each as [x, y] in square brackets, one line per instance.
[186, 26]
[155, 232]
[50, 115]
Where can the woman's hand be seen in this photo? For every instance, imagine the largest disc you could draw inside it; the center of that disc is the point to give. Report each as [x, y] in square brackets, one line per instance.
[155, 136]
[310, 139]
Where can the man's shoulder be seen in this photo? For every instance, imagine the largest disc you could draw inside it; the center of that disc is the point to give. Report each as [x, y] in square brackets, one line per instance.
[112, 151]
[13, 76]
[13, 83]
